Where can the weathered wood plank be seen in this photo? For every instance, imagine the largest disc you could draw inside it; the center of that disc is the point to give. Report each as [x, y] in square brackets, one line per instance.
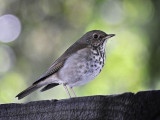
[128, 106]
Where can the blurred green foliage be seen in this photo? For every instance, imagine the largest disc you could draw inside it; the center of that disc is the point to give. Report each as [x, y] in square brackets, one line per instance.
[49, 27]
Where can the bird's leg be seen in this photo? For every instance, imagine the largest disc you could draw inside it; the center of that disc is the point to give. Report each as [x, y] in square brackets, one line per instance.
[73, 92]
[67, 90]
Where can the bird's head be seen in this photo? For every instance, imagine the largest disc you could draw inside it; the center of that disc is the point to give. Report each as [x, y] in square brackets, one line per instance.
[96, 38]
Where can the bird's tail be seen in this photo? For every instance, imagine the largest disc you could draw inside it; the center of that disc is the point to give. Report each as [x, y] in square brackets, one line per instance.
[49, 86]
[28, 91]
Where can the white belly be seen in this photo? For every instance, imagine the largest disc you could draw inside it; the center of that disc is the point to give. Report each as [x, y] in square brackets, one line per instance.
[80, 68]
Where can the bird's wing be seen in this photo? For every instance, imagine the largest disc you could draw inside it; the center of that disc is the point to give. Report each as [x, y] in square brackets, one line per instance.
[61, 60]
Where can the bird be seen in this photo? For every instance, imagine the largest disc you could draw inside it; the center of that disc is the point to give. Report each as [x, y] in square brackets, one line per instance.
[78, 65]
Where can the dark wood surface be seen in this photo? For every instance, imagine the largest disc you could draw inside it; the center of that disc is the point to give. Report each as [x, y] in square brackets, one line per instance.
[128, 106]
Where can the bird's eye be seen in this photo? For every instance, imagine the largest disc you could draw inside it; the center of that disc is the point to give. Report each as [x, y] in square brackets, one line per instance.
[95, 35]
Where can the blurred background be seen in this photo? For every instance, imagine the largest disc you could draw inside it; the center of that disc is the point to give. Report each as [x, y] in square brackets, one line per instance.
[33, 34]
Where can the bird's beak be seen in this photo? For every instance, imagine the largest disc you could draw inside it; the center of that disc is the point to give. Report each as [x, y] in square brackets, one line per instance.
[109, 36]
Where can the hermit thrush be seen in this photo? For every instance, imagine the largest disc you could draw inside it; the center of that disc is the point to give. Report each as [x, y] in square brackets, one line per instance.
[79, 64]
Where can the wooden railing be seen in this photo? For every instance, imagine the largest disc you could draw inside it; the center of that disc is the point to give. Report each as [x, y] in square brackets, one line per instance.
[127, 106]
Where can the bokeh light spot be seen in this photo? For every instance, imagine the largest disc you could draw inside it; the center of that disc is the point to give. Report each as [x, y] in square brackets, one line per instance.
[112, 12]
[7, 58]
[10, 28]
